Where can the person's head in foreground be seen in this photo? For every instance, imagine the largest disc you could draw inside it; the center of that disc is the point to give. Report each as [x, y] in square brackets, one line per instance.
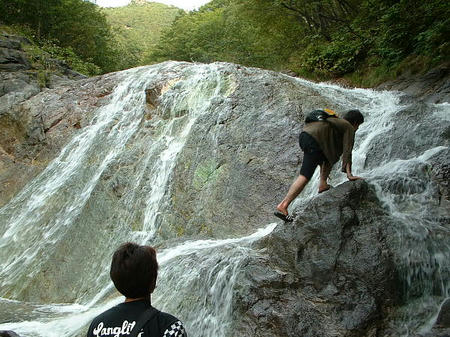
[134, 270]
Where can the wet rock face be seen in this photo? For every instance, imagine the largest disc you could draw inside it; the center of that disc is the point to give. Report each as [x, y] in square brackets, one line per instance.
[249, 153]
[35, 129]
[411, 127]
[441, 173]
[329, 273]
[331, 270]
[229, 176]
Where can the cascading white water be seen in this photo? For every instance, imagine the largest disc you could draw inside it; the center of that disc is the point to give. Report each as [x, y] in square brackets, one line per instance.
[45, 210]
[41, 212]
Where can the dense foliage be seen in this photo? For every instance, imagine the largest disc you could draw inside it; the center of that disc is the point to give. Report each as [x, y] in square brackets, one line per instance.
[137, 29]
[318, 38]
[74, 26]
[253, 33]
[364, 40]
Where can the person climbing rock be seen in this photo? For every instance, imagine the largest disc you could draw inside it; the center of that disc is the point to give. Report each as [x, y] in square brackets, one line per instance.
[324, 139]
[134, 271]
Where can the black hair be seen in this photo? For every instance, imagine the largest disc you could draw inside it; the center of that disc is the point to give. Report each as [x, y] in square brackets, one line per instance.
[354, 117]
[134, 270]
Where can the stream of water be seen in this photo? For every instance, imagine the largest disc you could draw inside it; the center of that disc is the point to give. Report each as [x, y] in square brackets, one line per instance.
[45, 211]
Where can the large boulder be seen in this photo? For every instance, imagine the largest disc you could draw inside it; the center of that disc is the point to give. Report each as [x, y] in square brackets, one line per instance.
[329, 273]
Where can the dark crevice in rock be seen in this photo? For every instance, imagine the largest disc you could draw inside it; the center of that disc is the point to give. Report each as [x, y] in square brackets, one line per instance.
[54, 123]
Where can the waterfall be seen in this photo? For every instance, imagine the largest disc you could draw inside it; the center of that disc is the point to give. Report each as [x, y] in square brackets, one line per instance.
[197, 277]
[40, 214]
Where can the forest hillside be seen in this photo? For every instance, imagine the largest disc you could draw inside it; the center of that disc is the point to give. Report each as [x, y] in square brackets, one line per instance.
[137, 29]
[363, 42]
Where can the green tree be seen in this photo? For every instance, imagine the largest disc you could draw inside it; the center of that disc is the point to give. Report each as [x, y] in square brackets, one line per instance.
[255, 33]
[137, 29]
[77, 24]
[322, 16]
[402, 32]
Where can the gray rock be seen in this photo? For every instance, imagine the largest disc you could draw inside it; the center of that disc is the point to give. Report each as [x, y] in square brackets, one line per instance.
[441, 173]
[10, 44]
[13, 60]
[36, 126]
[16, 87]
[432, 87]
[329, 273]
[8, 334]
[24, 130]
[19, 80]
[443, 319]
[15, 39]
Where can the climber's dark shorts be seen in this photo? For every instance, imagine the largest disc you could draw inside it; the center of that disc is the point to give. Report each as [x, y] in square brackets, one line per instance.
[313, 155]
